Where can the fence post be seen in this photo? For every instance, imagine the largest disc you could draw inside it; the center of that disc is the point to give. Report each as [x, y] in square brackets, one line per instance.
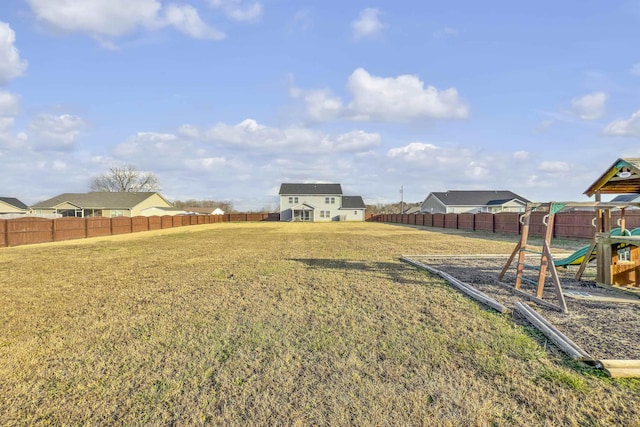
[5, 230]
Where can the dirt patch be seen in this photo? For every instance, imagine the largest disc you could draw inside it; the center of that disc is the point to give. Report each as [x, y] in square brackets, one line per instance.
[602, 321]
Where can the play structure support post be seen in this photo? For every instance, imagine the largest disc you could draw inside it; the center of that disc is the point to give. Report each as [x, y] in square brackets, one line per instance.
[544, 258]
[519, 250]
[622, 221]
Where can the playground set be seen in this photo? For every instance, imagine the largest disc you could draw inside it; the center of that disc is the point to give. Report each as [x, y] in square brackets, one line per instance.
[616, 250]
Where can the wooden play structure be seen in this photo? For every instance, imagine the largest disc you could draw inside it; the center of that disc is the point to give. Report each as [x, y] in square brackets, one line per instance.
[618, 252]
[615, 249]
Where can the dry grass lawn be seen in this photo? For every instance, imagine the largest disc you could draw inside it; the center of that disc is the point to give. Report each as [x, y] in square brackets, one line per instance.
[275, 324]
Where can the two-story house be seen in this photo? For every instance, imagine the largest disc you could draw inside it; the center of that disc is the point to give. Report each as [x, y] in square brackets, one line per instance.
[318, 202]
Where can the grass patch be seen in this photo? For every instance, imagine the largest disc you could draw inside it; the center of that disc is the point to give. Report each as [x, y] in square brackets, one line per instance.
[268, 324]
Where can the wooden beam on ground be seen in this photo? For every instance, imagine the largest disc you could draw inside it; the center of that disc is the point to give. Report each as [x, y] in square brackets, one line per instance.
[531, 297]
[620, 368]
[461, 286]
[557, 337]
[554, 277]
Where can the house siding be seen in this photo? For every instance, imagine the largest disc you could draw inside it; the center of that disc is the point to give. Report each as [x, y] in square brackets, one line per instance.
[155, 200]
[318, 202]
[352, 214]
[433, 205]
[7, 208]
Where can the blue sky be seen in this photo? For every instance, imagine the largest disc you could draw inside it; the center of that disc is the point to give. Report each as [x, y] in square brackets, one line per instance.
[226, 99]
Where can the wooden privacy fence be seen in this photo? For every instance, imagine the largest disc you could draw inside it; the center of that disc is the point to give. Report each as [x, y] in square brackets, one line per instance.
[576, 224]
[29, 230]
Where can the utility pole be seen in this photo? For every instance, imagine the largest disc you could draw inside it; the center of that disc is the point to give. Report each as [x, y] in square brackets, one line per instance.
[402, 199]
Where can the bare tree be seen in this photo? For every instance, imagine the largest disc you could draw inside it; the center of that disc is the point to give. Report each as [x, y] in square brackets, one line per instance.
[125, 179]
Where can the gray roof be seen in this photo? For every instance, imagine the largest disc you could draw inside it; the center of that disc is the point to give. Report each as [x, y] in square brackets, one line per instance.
[625, 198]
[352, 202]
[412, 210]
[310, 189]
[97, 200]
[477, 198]
[14, 202]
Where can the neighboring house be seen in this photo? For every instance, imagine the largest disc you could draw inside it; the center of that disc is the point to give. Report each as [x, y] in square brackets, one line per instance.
[11, 205]
[412, 210]
[473, 201]
[209, 210]
[105, 204]
[318, 203]
[161, 211]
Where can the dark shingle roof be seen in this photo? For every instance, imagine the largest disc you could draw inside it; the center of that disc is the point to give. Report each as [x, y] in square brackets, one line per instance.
[14, 202]
[97, 200]
[625, 198]
[312, 189]
[476, 198]
[352, 202]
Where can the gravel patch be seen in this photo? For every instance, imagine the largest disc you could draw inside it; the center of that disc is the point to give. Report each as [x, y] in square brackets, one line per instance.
[604, 329]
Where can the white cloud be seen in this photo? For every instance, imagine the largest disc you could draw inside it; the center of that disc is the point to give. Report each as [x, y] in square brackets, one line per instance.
[9, 104]
[621, 127]
[322, 105]
[521, 155]
[6, 123]
[155, 137]
[155, 150]
[415, 151]
[635, 69]
[402, 98]
[250, 134]
[115, 18]
[56, 132]
[189, 131]
[206, 163]
[237, 10]
[554, 167]
[387, 99]
[104, 17]
[449, 163]
[367, 24]
[357, 140]
[11, 65]
[590, 106]
[185, 18]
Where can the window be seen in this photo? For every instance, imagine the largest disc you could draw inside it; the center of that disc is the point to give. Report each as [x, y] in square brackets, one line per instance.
[624, 254]
[333, 200]
[293, 199]
[116, 212]
[325, 214]
[290, 199]
[355, 212]
[326, 200]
